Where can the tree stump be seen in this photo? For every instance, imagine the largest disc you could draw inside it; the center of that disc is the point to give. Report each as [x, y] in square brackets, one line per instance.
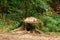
[32, 24]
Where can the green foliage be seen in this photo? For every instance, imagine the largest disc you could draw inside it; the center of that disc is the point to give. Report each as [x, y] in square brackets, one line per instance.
[5, 26]
[51, 24]
[18, 10]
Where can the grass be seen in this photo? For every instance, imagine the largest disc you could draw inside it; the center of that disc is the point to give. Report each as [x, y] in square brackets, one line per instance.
[8, 25]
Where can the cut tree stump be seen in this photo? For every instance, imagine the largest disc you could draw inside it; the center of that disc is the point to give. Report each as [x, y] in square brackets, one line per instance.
[32, 24]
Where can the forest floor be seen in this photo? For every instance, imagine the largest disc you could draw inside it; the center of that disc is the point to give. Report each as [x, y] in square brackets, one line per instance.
[24, 35]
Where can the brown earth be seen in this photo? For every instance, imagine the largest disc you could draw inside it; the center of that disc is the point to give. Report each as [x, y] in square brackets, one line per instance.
[24, 35]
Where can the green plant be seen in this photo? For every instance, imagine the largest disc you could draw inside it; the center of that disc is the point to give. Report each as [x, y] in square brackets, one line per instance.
[18, 10]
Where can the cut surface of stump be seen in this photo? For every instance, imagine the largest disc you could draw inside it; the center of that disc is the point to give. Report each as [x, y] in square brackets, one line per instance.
[31, 20]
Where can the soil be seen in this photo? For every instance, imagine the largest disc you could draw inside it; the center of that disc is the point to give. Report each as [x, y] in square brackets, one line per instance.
[25, 35]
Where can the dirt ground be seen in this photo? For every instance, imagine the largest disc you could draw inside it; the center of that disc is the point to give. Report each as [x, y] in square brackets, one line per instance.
[24, 35]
